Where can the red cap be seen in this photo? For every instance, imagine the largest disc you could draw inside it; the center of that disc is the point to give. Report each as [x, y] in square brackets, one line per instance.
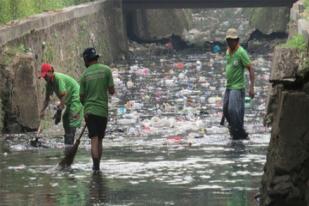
[45, 68]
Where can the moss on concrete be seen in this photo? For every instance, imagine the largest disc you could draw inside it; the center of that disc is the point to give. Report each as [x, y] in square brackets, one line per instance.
[154, 24]
[296, 42]
[303, 71]
[48, 54]
[17, 9]
[6, 57]
[306, 3]
[277, 19]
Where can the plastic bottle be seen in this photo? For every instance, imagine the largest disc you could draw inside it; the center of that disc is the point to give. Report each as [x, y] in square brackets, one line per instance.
[248, 102]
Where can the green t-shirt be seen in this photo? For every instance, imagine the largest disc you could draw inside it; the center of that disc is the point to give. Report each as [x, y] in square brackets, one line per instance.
[64, 83]
[94, 84]
[235, 68]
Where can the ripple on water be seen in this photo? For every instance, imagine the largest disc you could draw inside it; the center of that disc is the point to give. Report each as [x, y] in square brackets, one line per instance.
[18, 167]
[203, 187]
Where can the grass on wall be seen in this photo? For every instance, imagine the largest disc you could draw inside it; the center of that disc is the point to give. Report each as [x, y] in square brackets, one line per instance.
[17, 9]
[306, 2]
[297, 41]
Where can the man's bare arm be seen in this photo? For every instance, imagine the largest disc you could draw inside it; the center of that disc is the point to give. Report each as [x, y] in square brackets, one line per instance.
[252, 79]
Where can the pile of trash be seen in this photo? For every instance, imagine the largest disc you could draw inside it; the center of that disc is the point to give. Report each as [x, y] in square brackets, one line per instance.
[178, 97]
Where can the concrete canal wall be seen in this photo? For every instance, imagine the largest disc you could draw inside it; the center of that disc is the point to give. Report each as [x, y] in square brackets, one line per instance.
[152, 24]
[286, 174]
[57, 37]
[211, 24]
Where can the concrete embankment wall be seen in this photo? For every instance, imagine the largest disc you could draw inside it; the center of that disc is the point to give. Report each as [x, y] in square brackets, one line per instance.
[154, 24]
[286, 174]
[199, 26]
[56, 37]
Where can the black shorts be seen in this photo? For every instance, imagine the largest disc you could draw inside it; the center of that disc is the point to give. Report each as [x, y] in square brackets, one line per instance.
[96, 125]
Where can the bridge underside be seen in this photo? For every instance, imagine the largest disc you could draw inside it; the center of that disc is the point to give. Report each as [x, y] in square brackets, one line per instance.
[174, 4]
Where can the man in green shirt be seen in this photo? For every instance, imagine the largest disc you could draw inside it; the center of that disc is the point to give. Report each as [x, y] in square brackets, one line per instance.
[95, 84]
[67, 90]
[237, 60]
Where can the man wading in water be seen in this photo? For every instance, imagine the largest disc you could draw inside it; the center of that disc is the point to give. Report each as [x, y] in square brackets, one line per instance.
[95, 84]
[237, 60]
[67, 90]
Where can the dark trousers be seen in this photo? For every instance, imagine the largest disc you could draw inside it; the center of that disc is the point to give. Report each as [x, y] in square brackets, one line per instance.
[234, 111]
[69, 134]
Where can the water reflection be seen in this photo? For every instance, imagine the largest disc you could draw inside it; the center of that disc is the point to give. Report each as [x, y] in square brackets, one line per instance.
[238, 148]
[97, 190]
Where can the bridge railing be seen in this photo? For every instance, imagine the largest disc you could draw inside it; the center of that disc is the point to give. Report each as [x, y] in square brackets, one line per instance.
[161, 4]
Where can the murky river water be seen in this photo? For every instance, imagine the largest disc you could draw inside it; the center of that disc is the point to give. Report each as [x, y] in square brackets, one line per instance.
[164, 145]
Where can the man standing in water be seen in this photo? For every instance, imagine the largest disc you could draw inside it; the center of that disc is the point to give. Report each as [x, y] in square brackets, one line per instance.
[67, 90]
[237, 60]
[95, 84]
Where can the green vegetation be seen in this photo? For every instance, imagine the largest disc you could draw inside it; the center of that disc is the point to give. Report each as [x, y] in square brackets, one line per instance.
[8, 54]
[306, 2]
[297, 41]
[48, 55]
[17, 9]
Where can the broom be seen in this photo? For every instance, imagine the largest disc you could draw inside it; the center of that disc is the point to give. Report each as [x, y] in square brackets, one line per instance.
[69, 156]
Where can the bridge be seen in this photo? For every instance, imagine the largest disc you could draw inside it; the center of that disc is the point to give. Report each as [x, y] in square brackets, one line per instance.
[177, 4]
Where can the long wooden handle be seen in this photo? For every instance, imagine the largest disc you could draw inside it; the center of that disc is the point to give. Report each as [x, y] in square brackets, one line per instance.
[222, 120]
[39, 128]
[82, 132]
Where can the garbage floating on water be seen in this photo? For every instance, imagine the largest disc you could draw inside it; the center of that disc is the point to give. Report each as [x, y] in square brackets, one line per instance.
[216, 48]
[248, 102]
[179, 66]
